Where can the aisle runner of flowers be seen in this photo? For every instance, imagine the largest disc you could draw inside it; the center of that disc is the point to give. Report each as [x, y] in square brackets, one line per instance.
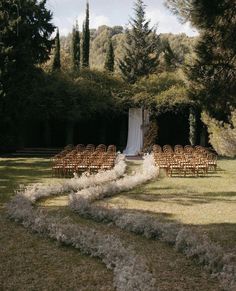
[37, 191]
[130, 270]
[127, 270]
[185, 240]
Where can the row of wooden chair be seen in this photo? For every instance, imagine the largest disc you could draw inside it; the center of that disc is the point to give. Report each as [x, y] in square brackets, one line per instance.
[183, 161]
[83, 159]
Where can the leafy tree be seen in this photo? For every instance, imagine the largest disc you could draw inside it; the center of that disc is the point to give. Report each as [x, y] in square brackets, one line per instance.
[140, 57]
[25, 40]
[110, 57]
[56, 65]
[26, 28]
[25, 32]
[86, 40]
[213, 74]
[161, 92]
[222, 135]
[76, 48]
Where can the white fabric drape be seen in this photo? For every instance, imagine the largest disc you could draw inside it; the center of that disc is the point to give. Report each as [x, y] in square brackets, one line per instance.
[135, 134]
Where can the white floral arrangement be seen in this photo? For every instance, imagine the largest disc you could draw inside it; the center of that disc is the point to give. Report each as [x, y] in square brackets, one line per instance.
[130, 270]
[128, 274]
[183, 239]
[36, 191]
[148, 172]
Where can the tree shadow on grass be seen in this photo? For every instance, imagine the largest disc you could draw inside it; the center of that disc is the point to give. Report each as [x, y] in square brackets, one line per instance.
[185, 199]
[19, 163]
[220, 233]
[15, 172]
[223, 234]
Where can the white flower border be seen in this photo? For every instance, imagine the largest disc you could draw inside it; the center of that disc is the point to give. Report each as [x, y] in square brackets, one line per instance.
[148, 171]
[130, 270]
[192, 244]
[39, 190]
[185, 240]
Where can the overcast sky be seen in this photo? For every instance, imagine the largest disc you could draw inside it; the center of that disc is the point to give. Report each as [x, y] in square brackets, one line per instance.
[113, 12]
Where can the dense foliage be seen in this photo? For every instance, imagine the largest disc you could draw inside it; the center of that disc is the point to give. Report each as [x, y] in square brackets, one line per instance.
[34, 100]
[25, 37]
[222, 135]
[181, 45]
[55, 93]
[25, 32]
[213, 75]
[161, 92]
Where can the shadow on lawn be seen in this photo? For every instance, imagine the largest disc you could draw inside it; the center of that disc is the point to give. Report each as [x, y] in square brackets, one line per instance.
[15, 172]
[220, 233]
[185, 199]
[19, 163]
[223, 234]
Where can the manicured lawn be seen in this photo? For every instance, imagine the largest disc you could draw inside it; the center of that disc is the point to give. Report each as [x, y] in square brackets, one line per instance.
[18, 171]
[206, 203]
[31, 262]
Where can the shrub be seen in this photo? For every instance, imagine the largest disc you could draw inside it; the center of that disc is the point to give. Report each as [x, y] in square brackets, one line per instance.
[222, 135]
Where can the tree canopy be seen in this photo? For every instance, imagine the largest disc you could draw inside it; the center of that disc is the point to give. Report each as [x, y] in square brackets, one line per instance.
[25, 41]
[213, 74]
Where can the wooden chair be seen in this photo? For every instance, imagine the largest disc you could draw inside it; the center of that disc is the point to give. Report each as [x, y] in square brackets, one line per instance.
[212, 161]
[157, 148]
[167, 149]
[178, 149]
[101, 148]
[90, 147]
[111, 148]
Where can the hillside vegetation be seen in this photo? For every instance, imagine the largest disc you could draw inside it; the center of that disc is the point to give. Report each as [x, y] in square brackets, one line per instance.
[181, 45]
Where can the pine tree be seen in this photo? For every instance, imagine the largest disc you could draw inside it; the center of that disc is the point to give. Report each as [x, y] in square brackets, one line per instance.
[25, 32]
[110, 57]
[56, 65]
[25, 41]
[213, 75]
[140, 50]
[86, 40]
[25, 38]
[76, 48]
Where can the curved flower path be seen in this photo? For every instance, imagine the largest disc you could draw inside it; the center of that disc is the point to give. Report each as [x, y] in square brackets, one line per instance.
[130, 270]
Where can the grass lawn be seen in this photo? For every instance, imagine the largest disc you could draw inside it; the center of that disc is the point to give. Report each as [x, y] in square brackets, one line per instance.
[207, 203]
[30, 262]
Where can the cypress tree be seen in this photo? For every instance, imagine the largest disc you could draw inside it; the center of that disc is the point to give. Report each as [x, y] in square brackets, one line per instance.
[140, 50]
[86, 40]
[76, 48]
[110, 57]
[171, 60]
[56, 65]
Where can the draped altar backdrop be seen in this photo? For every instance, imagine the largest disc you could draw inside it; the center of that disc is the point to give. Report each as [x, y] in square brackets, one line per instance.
[138, 118]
